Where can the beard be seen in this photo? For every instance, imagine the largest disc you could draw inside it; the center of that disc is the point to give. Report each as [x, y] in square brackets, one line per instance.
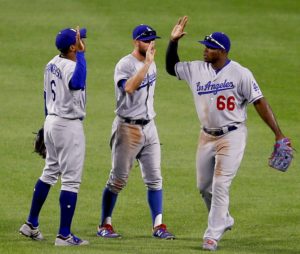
[210, 60]
[142, 52]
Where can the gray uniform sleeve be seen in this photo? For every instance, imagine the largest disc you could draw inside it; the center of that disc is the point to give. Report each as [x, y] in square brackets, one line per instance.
[183, 71]
[123, 71]
[249, 87]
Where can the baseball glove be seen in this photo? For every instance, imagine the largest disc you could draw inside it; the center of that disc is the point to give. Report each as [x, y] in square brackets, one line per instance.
[282, 155]
[39, 144]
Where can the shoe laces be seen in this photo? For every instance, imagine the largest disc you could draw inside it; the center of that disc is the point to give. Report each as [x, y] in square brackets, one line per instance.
[108, 227]
[76, 239]
[161, 227]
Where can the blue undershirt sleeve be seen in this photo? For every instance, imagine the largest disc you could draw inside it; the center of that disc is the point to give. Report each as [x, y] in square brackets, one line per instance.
[78, 79]
[172, 57]
[121, 84]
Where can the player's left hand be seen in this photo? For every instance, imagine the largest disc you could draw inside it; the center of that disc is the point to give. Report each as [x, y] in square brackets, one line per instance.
[282, 155]
[79, 43]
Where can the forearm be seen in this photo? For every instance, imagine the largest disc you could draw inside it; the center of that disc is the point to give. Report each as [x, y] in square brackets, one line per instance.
[79, 76]
[172, 57]
[135, 81]
[266, 113]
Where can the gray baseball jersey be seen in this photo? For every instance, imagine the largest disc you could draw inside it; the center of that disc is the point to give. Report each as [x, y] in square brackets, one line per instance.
[138, 105]
[134, 141]
[220, 98]
[63, 128]
[60, 100]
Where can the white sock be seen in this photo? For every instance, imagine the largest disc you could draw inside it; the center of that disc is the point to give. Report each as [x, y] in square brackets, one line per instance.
[158, 220]
[107, 221]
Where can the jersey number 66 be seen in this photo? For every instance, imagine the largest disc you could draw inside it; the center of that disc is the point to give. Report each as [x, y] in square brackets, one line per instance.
[223, 103]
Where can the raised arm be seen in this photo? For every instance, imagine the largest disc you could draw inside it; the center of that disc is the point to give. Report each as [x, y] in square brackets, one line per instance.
[171, 55]
[78, 79]
[134, 82]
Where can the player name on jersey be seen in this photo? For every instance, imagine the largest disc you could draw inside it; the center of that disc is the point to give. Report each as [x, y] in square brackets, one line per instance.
[54, 70]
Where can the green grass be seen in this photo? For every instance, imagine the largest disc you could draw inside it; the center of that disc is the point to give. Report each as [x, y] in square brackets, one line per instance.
[265, 203]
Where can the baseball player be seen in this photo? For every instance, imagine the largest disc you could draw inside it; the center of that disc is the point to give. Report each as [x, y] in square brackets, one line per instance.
[221, 89]
[134, 133]
[64, 93]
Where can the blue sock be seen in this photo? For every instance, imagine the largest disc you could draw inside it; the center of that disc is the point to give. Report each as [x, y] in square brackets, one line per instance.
[108, 203]
[67, 202]
[40, 194]
[155, 202]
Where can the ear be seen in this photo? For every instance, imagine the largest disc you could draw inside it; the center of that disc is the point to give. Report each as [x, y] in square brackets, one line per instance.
[72, 48]
[223, 52]
[135, 43]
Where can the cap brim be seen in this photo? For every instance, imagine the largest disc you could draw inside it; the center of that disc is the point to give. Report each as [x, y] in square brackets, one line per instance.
[83, 33]
[149, 38]
[210, 44]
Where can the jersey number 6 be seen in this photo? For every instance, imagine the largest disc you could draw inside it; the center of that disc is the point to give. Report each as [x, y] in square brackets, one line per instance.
[223, 103]
[53, 85]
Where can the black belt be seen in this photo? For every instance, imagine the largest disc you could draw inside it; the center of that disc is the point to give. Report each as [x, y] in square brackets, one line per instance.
[220, 131]
[81, 118]
[138, 121]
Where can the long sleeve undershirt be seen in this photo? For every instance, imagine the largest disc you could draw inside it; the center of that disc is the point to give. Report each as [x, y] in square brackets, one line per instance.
[78, 79]
[172, 57]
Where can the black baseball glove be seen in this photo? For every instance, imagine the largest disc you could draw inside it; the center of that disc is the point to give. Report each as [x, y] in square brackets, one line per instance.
[282, 155]
[39, 144]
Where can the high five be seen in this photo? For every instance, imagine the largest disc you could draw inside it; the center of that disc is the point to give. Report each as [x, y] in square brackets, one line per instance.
[221, 89]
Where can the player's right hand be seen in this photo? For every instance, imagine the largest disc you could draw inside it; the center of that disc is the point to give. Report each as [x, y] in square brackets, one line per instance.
[150, 53]
[79, 43]
[178, 30]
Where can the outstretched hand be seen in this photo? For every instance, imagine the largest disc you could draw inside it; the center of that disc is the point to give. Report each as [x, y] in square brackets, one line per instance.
[178, 30]
[79, 44]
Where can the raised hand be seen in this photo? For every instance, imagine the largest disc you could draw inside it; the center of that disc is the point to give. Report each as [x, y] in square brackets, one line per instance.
[178, 30]
[79, 43]
[150, 52]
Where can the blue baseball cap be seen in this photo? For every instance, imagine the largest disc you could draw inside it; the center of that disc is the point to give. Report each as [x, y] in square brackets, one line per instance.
[67, 37]
[144, 33]
[217, 40]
